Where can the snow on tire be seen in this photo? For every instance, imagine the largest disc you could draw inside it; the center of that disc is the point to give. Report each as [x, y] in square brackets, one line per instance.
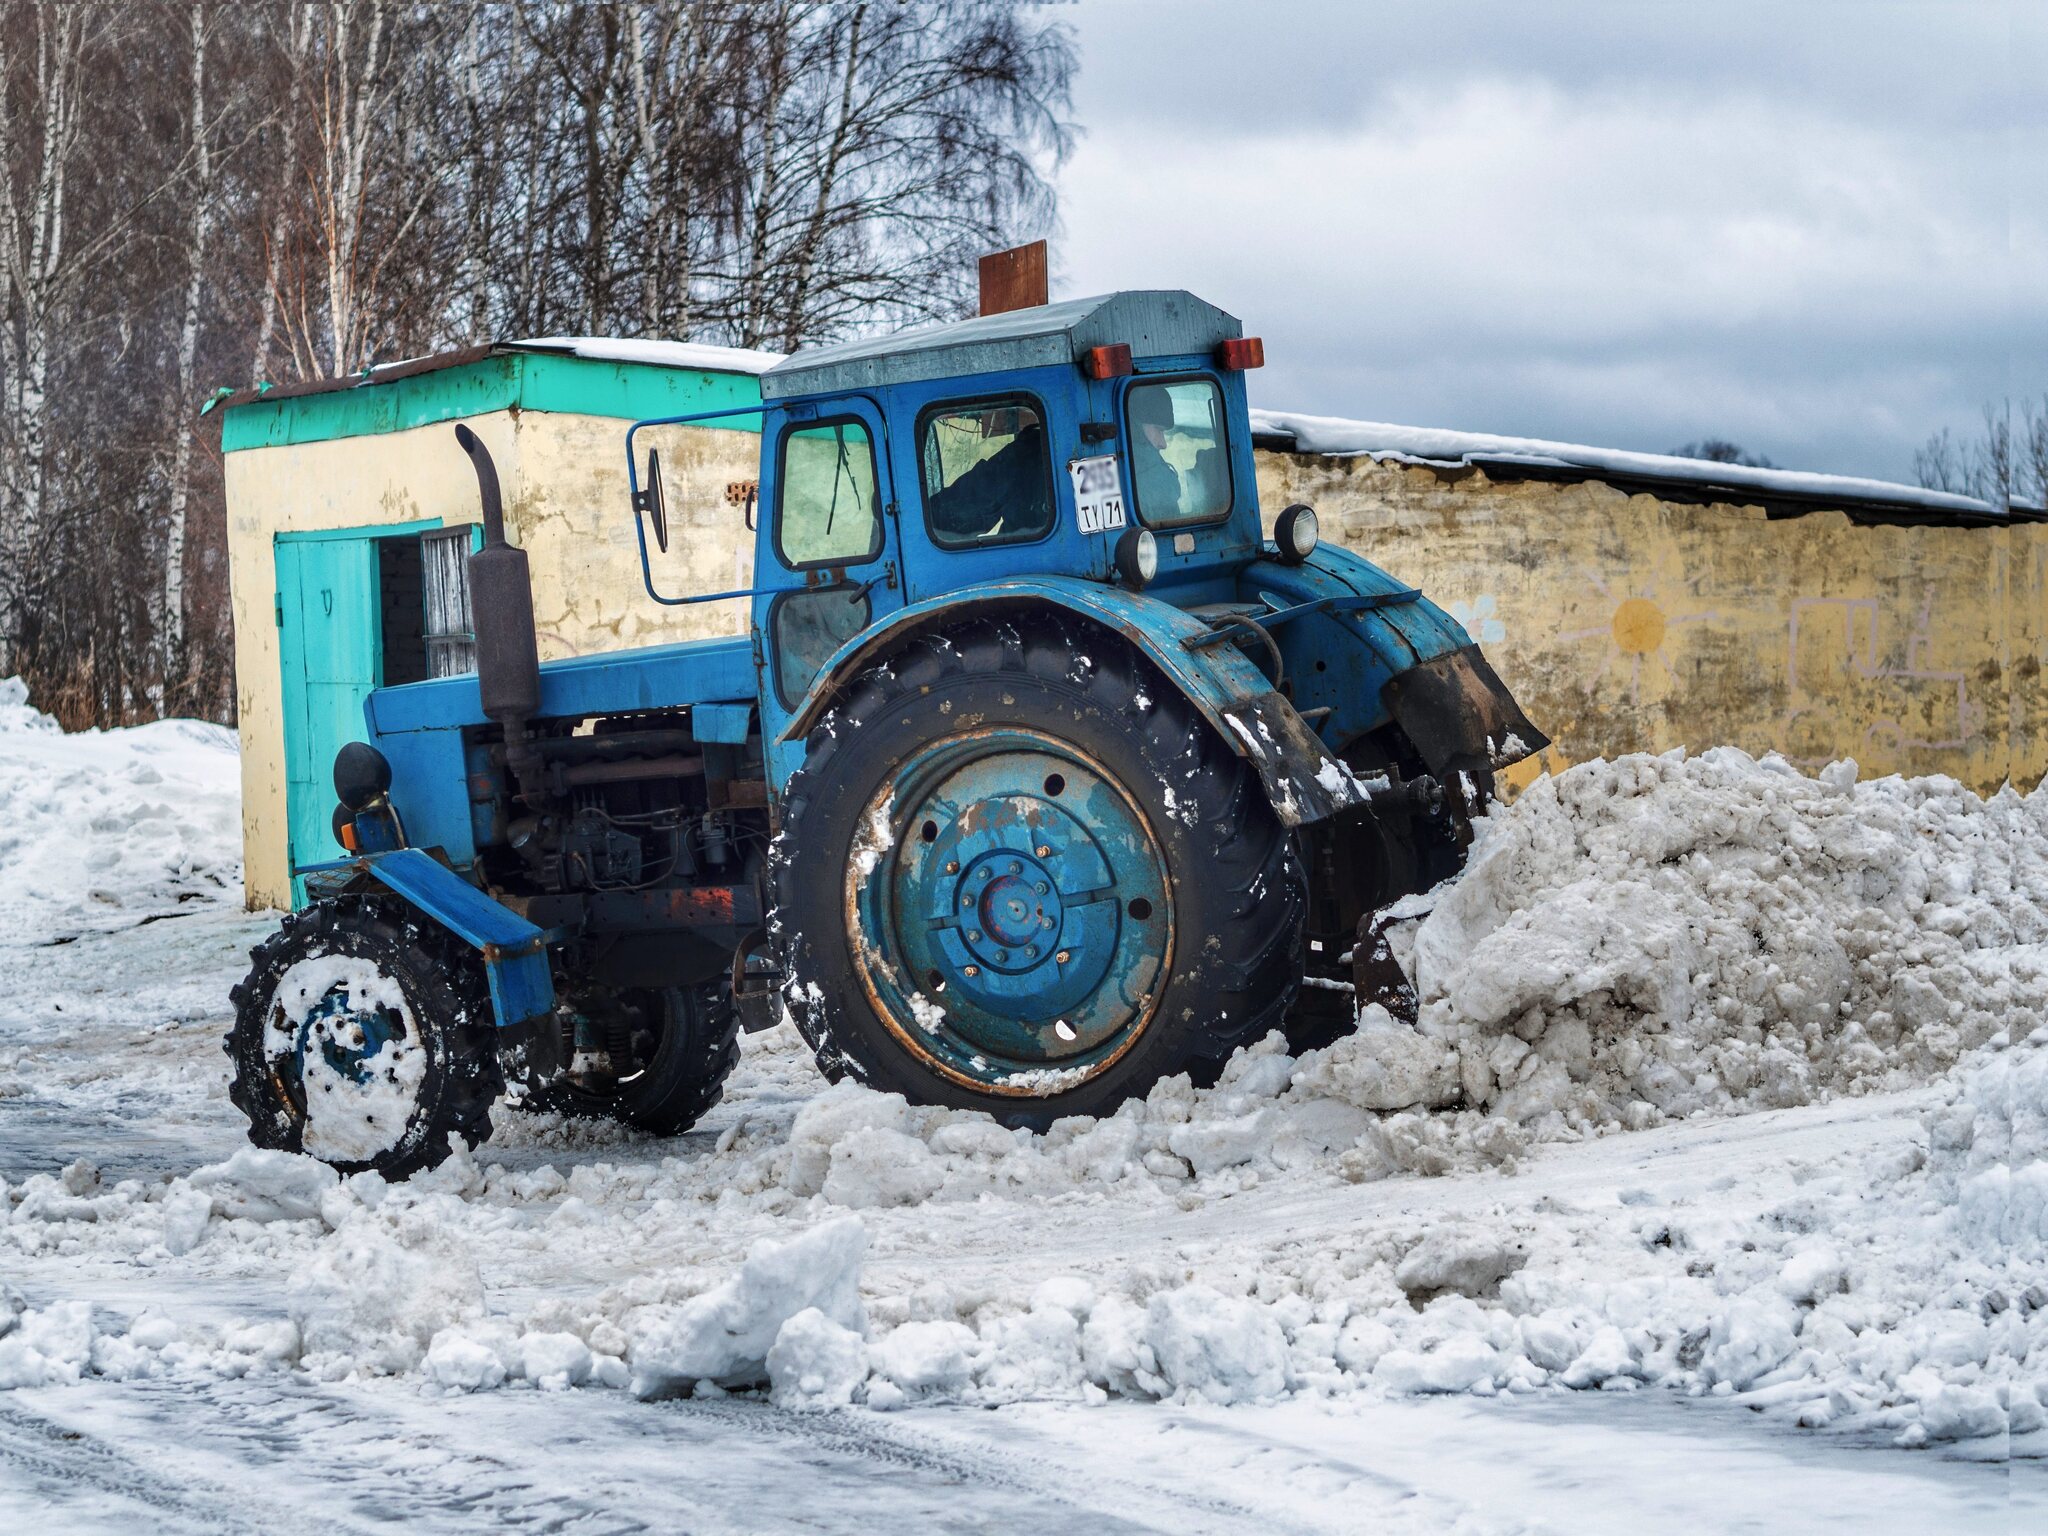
[363, 1038]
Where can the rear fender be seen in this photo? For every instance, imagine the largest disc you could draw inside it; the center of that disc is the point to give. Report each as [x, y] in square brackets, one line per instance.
[1301, 778]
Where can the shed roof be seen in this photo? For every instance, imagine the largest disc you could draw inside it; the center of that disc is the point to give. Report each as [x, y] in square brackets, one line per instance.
[656, 354]
[584, 375]
[1153, 322]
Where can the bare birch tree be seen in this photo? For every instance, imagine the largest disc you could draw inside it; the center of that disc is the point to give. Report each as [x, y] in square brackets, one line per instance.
[185, 401]
[39, 262]
[196, 196]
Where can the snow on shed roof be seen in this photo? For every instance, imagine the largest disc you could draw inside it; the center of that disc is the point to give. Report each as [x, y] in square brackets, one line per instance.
[1153, 322]
[1382, 440]
[656, 354]
[661, 354]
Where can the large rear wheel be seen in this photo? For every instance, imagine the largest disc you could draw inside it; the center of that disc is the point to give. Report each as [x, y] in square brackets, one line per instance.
[1018, 873]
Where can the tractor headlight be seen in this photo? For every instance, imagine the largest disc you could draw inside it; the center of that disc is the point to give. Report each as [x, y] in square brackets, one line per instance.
[362, 775]
[1295, 532]
[1137, 558]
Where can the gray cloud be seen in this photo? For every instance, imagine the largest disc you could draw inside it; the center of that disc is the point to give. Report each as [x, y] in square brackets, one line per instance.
[1817, 229]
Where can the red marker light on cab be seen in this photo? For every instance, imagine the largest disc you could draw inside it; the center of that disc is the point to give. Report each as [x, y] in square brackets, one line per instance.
[1110, 362]
[1241, 352]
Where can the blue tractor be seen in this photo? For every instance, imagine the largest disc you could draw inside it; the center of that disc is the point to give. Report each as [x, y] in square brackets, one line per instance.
[1041, 775]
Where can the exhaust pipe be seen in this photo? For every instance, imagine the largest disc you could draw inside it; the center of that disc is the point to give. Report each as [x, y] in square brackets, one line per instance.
[501, 607]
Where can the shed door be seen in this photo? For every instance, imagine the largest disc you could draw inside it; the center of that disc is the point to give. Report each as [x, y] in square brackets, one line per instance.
[332, 620]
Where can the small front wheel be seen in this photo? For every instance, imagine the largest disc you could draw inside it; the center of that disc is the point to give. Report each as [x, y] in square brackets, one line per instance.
[362, 1037]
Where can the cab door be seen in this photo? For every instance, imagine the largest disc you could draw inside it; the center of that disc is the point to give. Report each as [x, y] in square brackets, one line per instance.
[828, 562]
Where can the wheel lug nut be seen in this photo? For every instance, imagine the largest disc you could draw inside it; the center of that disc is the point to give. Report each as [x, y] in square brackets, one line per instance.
[1031, 952]
[1016, 868]
[1038, 886]
[1002, 954]
[1044, 922]
[966, 901]
[974, 937]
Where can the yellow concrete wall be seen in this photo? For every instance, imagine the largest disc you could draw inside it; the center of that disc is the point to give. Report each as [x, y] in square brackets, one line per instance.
[1624, 623]
[564, 481]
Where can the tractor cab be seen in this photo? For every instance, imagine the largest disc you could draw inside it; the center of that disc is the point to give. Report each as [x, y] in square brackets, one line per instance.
[1105, 440]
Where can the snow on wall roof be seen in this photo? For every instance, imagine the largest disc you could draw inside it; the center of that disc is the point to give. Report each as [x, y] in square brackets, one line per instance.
[661, 354]
[1439, 446]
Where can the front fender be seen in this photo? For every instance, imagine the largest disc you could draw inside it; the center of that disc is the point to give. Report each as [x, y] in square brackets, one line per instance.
[1301, 778]
[1408, 663]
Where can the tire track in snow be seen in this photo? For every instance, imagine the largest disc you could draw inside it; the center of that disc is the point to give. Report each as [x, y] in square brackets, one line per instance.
[925, 1443]
[58, 1469]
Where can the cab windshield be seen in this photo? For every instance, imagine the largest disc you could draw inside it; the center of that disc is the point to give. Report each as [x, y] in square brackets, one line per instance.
[1180, 469]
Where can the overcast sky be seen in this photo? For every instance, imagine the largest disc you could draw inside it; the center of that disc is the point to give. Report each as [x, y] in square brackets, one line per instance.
[1816, 227]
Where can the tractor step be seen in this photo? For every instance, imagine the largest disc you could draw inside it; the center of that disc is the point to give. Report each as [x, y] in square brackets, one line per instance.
[756, 984]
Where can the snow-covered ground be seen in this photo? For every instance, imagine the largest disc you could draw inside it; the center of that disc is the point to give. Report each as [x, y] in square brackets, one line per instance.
[1709, 1188]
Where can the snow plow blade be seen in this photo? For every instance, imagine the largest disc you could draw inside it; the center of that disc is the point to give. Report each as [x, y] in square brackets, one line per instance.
[1460, 715]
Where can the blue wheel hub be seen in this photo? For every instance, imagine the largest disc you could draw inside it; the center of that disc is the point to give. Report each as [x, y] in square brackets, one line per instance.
[1020, 919]
[1013, 900]
[346, 1036]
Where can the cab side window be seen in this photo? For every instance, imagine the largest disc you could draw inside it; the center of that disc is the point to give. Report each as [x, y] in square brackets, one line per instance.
[1180, 466]
[827, 512]
[986, 469]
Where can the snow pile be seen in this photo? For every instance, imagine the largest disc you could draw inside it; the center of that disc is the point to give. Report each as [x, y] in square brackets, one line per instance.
[18, 717]
[107, 827]
[372, 1299]
[1907, 1295]
[1657, 936]
[1641, 941]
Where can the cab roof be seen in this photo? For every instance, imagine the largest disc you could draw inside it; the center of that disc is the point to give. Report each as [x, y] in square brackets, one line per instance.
[1153, 322]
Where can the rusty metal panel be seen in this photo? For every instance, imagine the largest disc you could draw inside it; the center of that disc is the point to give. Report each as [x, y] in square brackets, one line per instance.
[1460, 715]
[1014, 279]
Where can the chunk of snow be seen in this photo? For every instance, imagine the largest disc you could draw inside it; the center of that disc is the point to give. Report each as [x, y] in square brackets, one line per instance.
[815, 1362]
[724, 1335]
[1226, 1349]
[368, 1302]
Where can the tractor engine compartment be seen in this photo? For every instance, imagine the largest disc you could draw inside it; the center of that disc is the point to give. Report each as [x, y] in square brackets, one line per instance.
[639, 847]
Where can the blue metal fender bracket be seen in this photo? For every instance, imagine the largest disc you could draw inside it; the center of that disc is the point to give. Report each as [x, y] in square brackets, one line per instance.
[515, 951]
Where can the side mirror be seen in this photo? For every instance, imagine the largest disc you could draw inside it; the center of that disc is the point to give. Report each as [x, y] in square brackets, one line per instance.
[648, 499]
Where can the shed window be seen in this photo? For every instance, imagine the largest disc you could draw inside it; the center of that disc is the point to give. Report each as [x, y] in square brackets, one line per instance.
[1180, 470]
[449, 631]
[987, 473]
